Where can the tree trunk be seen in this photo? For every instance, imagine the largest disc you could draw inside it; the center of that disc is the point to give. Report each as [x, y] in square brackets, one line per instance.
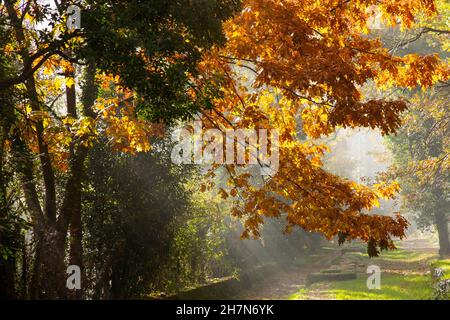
[50, 276]
[89, 94]
[442, 228]
[74, 212]
[44, 156]
[24, 292]
[76, 249]
[50, 230]
[116, 286]
[49, 271]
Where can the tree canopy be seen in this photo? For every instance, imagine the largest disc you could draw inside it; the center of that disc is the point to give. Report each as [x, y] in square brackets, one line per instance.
[306, 63]
[135, 68]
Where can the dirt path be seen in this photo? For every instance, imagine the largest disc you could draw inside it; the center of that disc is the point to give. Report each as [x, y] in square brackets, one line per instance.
[289, 279]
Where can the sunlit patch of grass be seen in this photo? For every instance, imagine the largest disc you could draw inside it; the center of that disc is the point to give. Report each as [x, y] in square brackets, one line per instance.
[405, 256]
[395, 256]
[393, 287]
[302, 294]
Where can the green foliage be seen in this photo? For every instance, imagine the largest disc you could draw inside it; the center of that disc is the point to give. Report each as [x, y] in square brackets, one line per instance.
[12, 222]
[419, 151]
[420, 146]
[145, 231]
[129, 206]
[154, 47]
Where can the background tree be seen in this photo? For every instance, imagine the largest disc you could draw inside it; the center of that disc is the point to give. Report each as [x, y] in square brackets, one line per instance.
[420, 147]
[421, 153]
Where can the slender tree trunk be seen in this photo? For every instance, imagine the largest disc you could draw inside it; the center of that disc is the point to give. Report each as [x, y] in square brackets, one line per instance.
[24, 292]
[72, 208]
[48, 277]
[30, 84]
[49, 271]
[51, 277]
[442, 228]
[115, 292]
[48, 267]
[76, 251]
[35, 273]
[74, 211]
[50, 230]
[73, 204]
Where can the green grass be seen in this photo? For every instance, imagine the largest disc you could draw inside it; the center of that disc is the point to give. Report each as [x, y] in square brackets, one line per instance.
[410, 284]
[302, 294]
[402, 255]
[393, 255]
[393, 287]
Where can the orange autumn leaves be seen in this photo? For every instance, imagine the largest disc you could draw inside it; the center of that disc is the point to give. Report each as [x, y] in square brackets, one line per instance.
[118, 120]
[298, 66]
[114, 120]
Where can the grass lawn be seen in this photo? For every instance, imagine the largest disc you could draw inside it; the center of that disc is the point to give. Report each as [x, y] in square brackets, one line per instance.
[405, 276]
[393, 287]
[394, 257]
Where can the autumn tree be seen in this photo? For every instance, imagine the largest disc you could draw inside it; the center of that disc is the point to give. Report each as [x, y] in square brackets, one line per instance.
[290, 65]
[294, 65]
